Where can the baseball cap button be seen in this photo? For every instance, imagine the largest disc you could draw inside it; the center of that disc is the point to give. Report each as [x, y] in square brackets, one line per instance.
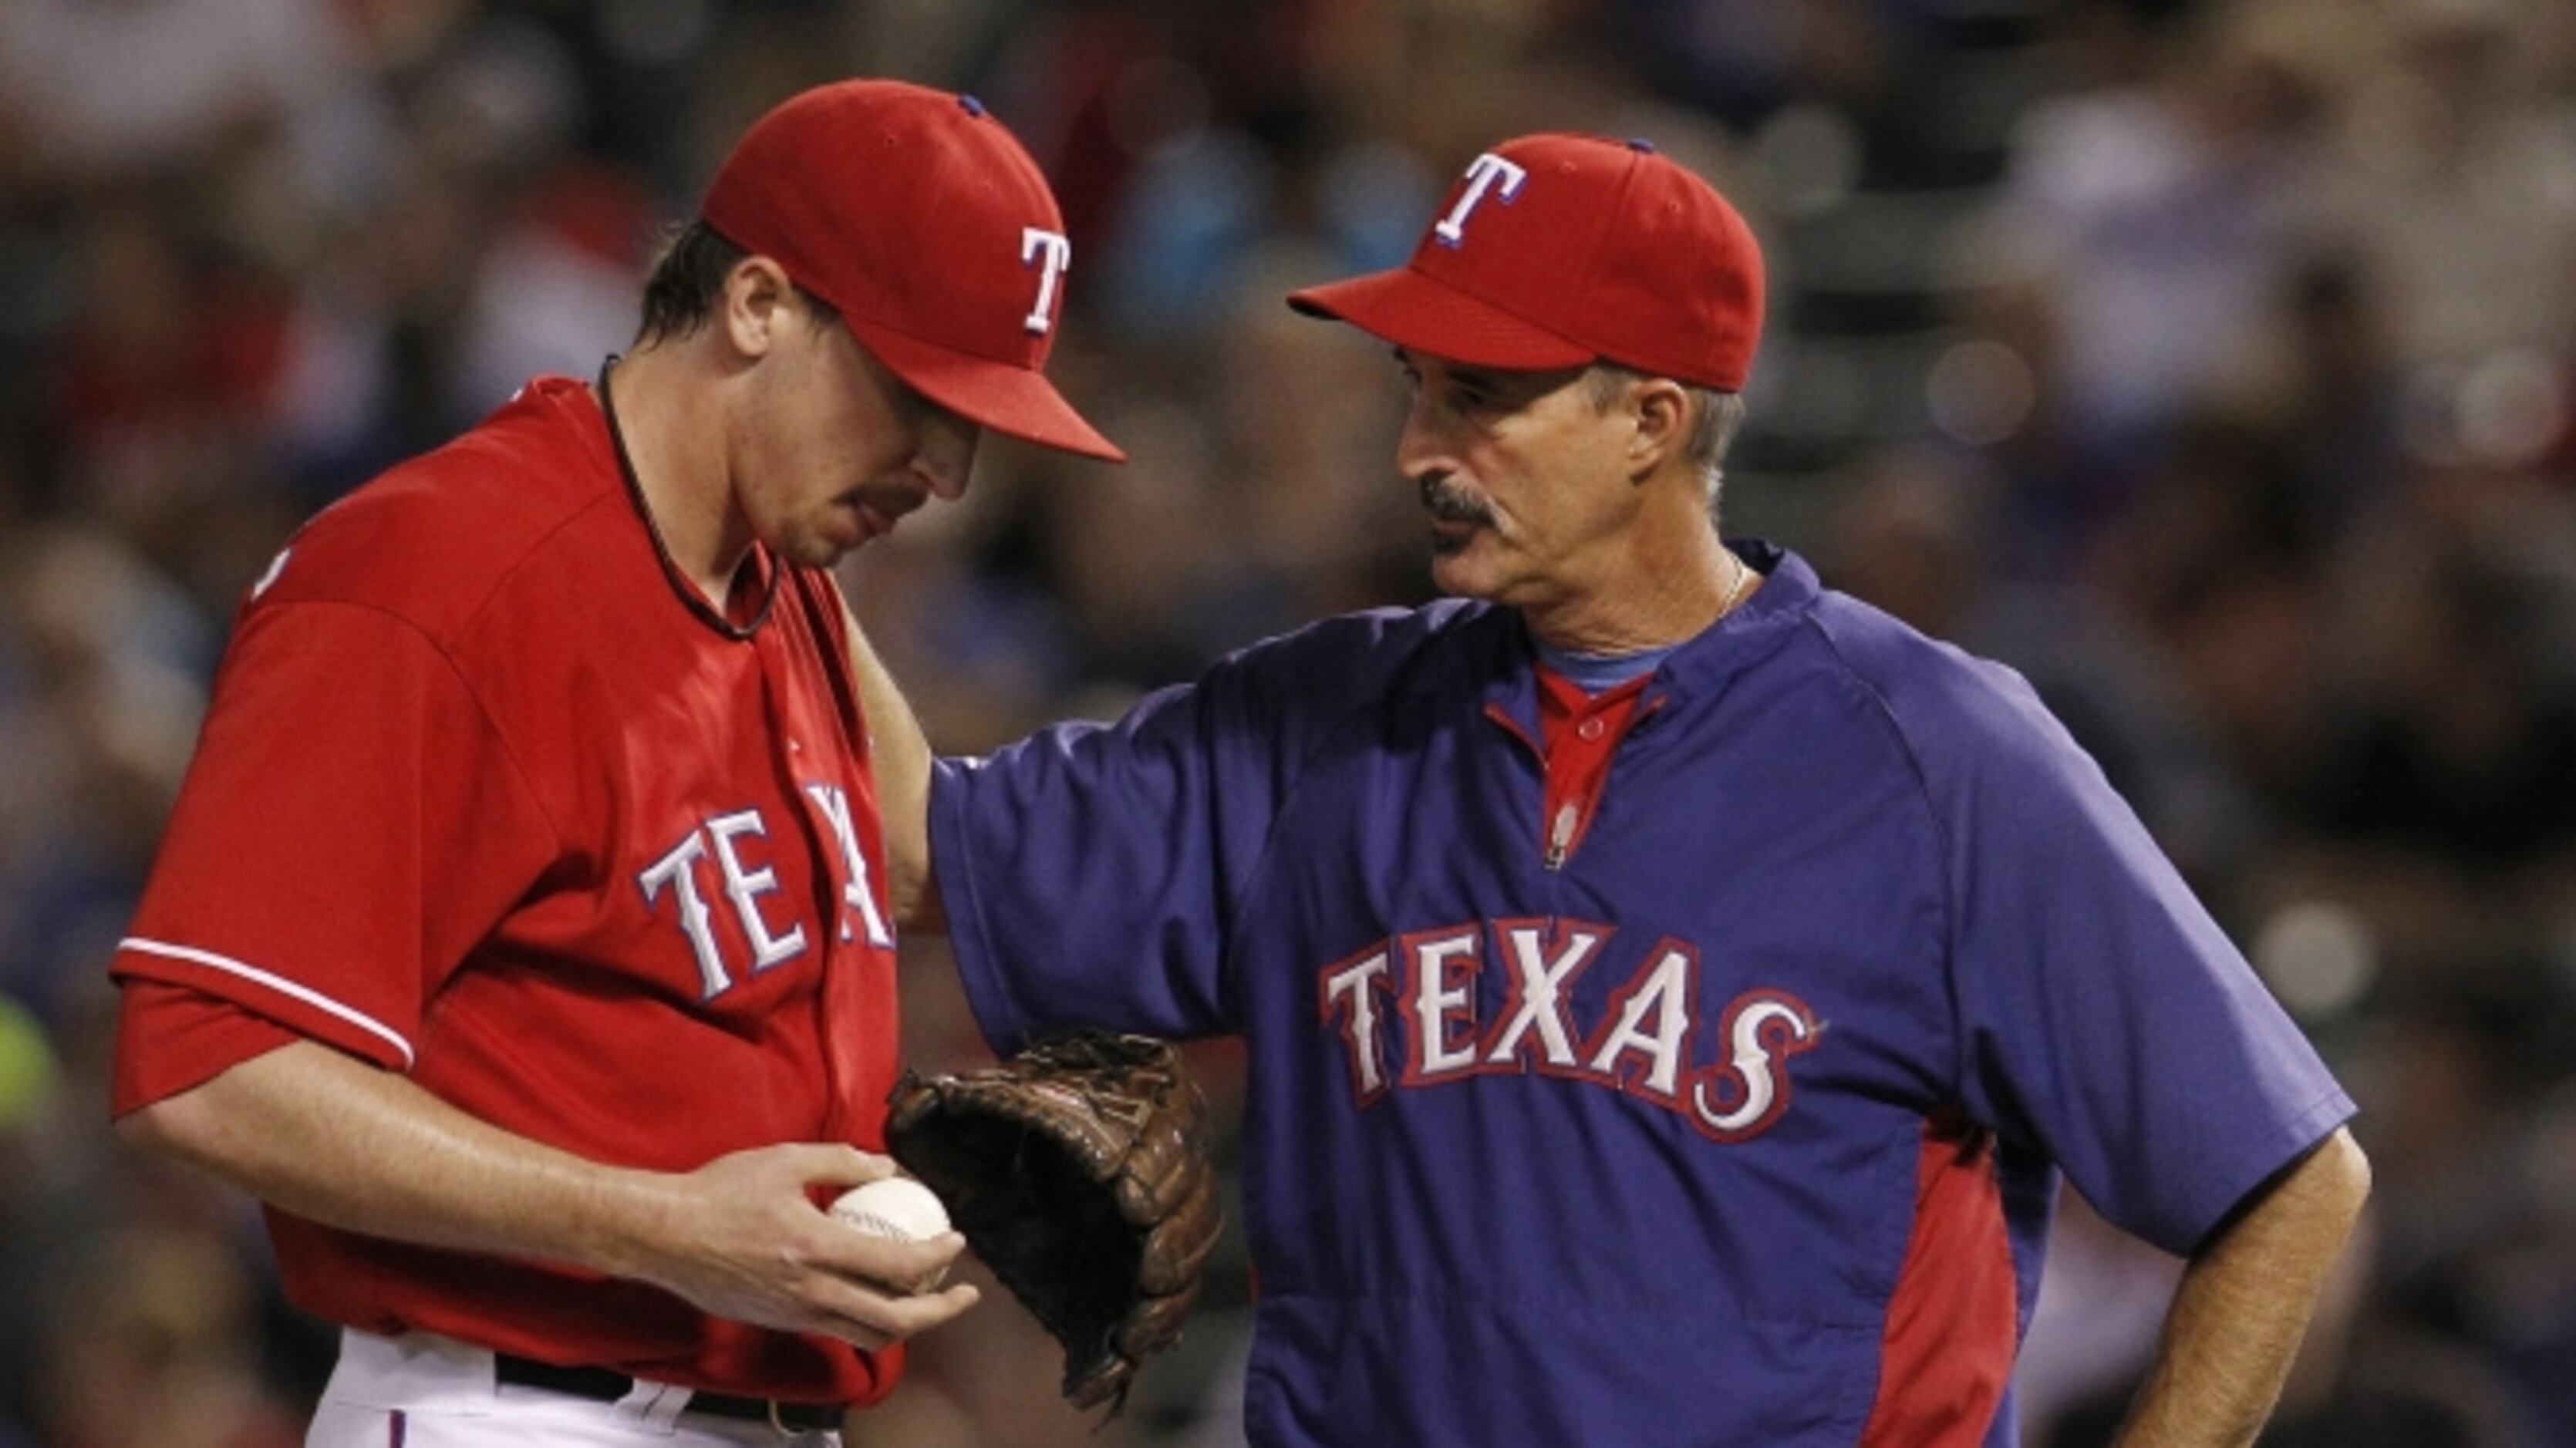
[1640, 143]
[970, 105]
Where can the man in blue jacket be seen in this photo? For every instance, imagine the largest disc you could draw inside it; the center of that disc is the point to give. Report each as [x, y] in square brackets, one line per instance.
[1673, 990]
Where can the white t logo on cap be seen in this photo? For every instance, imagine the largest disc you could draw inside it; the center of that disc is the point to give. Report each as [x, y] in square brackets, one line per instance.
[1052, 253]
[1482, 173]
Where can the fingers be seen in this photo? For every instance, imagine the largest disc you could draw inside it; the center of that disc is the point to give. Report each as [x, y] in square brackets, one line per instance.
[761, 1249]
[873, 1319]
[899, 1263]
[885, 1284]
[830, 1164]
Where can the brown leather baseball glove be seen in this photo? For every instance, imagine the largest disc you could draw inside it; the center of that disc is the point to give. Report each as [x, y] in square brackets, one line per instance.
[1079, 1171]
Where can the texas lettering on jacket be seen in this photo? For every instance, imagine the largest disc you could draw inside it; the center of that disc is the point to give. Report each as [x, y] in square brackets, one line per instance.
[1405, 1011]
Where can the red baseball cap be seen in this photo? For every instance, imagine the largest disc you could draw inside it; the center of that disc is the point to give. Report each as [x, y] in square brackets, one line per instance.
[1561, 250]
[926, 225]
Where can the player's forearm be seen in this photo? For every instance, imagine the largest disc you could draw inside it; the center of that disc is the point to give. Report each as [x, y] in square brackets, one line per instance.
[2244, 1304]
[341, 1142]
[333, 1139]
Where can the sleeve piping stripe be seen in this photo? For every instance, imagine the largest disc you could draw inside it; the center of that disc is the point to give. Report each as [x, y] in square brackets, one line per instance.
[276, 983]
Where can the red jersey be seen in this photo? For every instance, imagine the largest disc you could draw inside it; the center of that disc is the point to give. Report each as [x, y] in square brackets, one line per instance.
[482, 797]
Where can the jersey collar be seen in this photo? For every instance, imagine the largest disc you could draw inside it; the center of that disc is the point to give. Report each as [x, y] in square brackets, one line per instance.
[770, 570]
[1699, 667]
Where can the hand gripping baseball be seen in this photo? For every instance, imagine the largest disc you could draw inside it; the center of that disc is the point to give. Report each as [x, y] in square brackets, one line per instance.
[742, 1237]
[1079, 1171]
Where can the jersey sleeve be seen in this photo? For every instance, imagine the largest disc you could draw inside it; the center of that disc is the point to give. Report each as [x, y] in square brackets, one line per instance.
[1089, 872]
[170, 1039]
[351, 824]
[1084, 871]
[2103, 1013]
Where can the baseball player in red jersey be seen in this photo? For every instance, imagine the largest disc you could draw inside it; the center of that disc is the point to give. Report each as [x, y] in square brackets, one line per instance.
[521, 935]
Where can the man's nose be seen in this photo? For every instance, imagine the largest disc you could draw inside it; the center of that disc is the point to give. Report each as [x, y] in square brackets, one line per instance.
[1421, 448]
[946, 457]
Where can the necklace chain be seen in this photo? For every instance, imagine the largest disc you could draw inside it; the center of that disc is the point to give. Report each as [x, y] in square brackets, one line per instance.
[1735, 590]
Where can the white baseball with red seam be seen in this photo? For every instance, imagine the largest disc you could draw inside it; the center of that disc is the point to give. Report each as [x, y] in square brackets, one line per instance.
[896, 1207]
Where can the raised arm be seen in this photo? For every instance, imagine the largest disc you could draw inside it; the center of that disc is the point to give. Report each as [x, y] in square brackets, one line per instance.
[342, 1142]
[2244, 1305]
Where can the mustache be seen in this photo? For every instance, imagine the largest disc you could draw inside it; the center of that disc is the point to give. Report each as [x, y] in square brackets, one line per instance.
[1450, 503]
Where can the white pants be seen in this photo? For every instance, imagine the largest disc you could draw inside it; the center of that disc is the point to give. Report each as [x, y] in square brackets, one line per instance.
[425, 1391]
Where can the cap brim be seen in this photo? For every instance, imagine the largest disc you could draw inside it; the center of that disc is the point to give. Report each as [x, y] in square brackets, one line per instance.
[1422, 315]
[1017, 401]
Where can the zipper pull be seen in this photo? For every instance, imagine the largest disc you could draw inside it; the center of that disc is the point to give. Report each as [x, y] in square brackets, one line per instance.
[1561, 838]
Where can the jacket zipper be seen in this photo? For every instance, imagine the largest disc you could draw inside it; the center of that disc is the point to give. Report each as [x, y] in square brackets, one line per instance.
[1571, 815]
[1560, 838]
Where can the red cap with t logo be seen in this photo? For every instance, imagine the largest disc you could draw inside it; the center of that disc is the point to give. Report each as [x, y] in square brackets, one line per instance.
[1562, 250]
[929, 229]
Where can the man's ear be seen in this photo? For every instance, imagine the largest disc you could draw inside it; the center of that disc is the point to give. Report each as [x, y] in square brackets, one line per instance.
[757, 295]
[1660, 408]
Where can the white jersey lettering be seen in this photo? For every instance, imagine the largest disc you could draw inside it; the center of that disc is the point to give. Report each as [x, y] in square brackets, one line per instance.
[1537, 999]
[1759, 1029]
[1440, 995]
[677, 870]
[1650, 1030]
[1350, 992]
[1660, 993]
[744, 887]
[857, 894]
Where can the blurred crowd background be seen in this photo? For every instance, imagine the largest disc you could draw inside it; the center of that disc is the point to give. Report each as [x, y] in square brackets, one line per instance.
[2209, 362]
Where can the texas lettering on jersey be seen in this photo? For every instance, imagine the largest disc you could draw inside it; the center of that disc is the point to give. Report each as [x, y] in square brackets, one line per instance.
[716, 853]
[1727, 1074]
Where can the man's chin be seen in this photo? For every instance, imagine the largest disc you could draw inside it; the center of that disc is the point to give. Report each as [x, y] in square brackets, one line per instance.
[1451, 574]
[819, 550]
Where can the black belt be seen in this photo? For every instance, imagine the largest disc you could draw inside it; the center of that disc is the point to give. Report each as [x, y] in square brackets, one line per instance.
[607, 1386]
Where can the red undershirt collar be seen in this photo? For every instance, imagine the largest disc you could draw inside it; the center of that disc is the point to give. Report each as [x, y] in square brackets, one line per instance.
[1580, 732]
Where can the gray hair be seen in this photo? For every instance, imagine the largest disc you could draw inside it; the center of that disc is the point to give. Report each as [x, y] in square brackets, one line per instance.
[1715, 419]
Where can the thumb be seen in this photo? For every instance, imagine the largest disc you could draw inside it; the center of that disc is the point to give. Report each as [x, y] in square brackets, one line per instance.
[830, 1164]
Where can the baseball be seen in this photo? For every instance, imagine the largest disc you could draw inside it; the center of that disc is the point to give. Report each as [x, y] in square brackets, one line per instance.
[897, 1207]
